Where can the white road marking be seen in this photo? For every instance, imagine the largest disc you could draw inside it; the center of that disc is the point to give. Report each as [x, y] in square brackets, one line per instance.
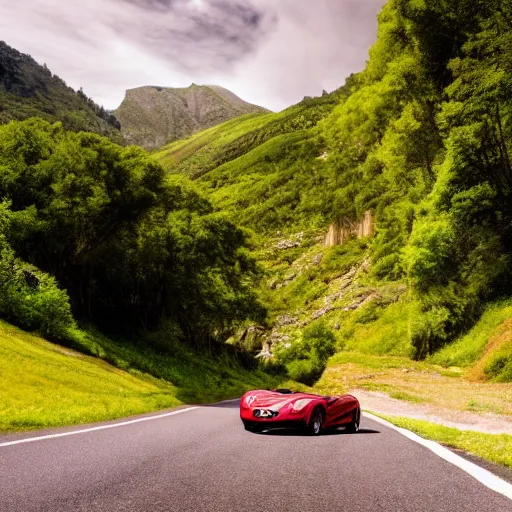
[482, 475]
[93, 429]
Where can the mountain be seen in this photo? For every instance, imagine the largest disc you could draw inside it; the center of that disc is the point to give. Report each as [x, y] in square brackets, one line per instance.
[28, 89]
[154, 116]
[382, 213]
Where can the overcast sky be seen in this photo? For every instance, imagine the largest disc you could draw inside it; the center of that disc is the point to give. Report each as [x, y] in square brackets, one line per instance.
[269, 52]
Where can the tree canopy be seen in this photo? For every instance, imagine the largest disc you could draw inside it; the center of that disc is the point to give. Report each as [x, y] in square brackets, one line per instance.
[133, 248]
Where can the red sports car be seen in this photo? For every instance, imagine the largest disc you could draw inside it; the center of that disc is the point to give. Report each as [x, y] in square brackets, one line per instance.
[283, 408]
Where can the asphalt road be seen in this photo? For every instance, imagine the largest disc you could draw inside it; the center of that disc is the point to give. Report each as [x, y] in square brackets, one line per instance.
[203, 460]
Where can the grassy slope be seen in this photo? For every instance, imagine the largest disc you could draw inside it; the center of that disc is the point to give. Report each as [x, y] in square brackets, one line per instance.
[195, 154]
[258, 169]
[47, 385]
[486, 348]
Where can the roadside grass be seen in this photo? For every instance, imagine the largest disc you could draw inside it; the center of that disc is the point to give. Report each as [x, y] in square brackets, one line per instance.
[492, 447]
[414, 381]
[46, 385]
[199, 377]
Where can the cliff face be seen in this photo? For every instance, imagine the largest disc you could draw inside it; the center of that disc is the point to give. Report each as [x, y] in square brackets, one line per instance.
[339, 232]
[154, 116]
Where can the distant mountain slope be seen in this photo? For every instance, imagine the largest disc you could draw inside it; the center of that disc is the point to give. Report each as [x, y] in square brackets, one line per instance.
[28, 89]
[154, 116]
[257, 168]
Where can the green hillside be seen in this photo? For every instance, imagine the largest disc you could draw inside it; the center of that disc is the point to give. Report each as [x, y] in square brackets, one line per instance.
[258, 168]
[47, 385]
[419, 143]
[28, 89]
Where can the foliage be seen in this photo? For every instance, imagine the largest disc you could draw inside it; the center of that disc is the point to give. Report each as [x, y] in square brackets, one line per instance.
[472, 192]
[306, 357]
[30, 90]
[379, 329]
[469, 348]
[131, 247]
[28, 296]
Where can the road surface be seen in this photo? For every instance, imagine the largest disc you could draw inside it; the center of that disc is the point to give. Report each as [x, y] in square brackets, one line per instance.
[203, 460]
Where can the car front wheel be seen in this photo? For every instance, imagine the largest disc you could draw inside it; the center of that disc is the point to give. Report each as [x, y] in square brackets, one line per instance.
[314, 426]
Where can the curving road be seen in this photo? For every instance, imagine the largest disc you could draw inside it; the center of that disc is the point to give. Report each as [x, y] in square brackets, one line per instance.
[203, 460]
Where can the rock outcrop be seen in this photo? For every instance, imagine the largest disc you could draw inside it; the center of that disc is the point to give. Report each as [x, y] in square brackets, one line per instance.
[154, 116]
[340, 232]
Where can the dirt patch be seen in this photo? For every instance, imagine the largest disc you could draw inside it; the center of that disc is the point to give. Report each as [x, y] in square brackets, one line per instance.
[462, 420]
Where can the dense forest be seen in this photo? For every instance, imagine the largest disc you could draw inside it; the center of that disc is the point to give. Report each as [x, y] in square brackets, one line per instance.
[425, 144]
[132, 249]
[421, 138]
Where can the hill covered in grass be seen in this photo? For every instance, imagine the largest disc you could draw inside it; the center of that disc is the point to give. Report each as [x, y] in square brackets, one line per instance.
[46, 385]
[153, 116]
[418, 142]
[28, 89]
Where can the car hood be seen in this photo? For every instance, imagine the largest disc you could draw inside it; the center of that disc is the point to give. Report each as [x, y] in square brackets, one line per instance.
[277, 401]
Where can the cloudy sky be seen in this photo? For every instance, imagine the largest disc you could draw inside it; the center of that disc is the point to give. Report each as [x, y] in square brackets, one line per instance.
[269, 52]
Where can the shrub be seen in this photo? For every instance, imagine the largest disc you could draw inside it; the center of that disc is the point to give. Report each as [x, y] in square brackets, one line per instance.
[318, 341]
[305, 359]
[307, 371]
[31, 299]
[499, 367]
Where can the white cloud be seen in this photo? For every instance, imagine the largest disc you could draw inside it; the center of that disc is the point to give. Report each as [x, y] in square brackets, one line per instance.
[269, 52]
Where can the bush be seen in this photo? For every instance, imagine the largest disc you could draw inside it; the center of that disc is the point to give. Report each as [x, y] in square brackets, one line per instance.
[305, 359]
[499, 367]
[429, 330]
[318, 341]
[307, 371]
[31, 299]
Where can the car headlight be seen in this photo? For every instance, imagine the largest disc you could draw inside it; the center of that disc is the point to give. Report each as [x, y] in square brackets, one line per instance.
[300, 404]
[248, 400]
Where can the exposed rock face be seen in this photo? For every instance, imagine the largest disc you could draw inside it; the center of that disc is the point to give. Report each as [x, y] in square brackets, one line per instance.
[286, 320]
[283, 245]
[339, 232]
[154, 116]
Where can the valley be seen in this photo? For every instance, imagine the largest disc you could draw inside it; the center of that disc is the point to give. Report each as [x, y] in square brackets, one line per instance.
[356, 241]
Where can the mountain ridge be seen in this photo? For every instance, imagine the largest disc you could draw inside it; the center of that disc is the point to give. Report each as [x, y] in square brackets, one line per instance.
[28, 89]
[152, 116]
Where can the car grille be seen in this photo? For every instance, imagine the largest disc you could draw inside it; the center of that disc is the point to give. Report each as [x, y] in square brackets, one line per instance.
[264, 413]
